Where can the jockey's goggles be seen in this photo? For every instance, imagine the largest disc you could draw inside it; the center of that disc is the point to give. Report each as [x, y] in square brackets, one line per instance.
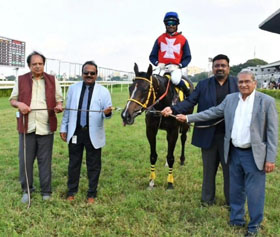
[171, 23]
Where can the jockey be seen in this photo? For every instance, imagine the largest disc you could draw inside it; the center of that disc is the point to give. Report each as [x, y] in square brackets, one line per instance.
[171, 51]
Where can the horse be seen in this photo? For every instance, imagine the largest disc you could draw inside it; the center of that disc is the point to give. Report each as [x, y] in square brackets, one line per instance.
[152, 93]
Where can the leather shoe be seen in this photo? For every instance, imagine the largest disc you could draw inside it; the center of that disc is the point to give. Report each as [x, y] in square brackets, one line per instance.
[70, 198]
[249, 233]
[90, 200]
[46, 197]
[236, 225]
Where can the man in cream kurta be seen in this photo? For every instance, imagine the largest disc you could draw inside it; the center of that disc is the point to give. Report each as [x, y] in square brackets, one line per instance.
[36, 90]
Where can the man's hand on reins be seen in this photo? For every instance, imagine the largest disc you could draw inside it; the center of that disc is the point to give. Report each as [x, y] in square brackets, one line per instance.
[58, 108]
[108, 110]
[167, 111]
[22, 107]
[181, 118]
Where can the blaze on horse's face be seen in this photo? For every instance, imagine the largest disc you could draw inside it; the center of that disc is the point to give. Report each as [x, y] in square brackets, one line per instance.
[138, 92]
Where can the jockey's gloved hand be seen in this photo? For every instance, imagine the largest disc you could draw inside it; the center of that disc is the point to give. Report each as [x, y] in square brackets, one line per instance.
[171, 67]
[161, 66]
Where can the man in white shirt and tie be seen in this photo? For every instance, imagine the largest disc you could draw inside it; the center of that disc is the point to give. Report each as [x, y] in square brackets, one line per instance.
[250, 147]
[84, 129]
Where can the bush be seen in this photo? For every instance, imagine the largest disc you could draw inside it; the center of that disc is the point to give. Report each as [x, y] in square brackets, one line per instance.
[5, 92]
[273, 93]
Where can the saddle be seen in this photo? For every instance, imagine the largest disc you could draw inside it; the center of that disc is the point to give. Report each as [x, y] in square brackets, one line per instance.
[179, 95]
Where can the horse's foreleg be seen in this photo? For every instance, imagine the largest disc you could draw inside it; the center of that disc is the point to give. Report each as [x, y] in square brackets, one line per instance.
[183, 142]
[151, 135]
[172, 136]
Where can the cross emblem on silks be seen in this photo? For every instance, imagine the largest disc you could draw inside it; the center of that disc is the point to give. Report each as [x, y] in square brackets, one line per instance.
[170, 48]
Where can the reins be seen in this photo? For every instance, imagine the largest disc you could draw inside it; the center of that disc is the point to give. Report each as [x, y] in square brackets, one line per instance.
[152, 92]
[82, 110]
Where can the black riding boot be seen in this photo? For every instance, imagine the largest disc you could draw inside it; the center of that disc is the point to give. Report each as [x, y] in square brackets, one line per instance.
[184, 88]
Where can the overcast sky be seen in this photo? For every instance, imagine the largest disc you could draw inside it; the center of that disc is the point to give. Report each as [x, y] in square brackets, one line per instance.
[117, 33]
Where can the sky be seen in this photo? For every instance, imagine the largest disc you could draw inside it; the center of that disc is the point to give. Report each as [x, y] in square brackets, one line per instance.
[117, 33]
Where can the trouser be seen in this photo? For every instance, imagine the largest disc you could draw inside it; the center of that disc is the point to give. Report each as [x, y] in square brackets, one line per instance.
[39, 146]
[246, 181]
[93, 161]
[176, 73]
[211, 158]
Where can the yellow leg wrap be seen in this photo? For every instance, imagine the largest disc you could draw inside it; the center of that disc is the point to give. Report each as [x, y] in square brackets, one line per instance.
[153, 172]
[153, 175]
[170, 178]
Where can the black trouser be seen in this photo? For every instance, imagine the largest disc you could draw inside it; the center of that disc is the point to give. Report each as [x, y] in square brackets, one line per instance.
[39, 146]
[93, 161]
[212, 157]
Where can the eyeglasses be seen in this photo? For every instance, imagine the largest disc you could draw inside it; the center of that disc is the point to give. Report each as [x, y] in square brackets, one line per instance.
[220, 65]
[246, 82]
[171, 23]
[91, 73]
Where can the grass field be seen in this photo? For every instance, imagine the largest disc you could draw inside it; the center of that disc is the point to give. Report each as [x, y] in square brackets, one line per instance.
[124, 206]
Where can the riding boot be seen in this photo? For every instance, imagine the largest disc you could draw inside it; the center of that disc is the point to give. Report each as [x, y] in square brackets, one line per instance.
[184, 88]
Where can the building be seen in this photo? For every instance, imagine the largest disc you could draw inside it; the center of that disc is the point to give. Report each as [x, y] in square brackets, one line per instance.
[272, 23]
[269, 72]
[194, 70]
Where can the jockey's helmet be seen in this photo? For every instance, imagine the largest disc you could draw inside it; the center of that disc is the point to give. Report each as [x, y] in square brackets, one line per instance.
[171, 16]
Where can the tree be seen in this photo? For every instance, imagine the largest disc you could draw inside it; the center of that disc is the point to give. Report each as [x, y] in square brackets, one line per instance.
[11, 78]
[199, 76]
[234, 70]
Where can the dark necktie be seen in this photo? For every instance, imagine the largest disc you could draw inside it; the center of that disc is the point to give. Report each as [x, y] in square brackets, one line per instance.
[83, 120]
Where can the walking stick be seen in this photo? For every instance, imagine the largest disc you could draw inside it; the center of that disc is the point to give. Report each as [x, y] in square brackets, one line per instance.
[24, 160]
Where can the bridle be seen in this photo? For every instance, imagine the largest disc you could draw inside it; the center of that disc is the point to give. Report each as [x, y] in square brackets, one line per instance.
[151, 93]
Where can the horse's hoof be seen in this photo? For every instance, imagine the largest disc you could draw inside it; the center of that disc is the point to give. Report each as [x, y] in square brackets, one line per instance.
[151, 184]
[182, 160]
[170, 186]
[150, 188]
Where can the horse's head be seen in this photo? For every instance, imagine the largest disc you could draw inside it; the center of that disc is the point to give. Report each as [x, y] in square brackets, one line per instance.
[140, 95]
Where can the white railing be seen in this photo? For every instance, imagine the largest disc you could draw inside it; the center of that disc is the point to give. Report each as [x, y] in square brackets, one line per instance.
[65, 84]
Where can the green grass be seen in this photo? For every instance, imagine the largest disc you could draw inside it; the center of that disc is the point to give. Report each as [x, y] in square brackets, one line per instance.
[124, 206]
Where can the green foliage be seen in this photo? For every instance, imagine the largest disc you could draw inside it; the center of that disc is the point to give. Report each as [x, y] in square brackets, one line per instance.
[234, 70]
[11, 78]
[116, 78]
[5, 92]
[273, 93]
[124, 206]
[199, 76]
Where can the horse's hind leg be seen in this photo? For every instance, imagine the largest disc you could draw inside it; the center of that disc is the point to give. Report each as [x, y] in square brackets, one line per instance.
[183, 142]
[172, 136]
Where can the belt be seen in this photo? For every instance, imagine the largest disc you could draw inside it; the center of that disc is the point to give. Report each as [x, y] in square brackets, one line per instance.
[83, 128]
[242, 149]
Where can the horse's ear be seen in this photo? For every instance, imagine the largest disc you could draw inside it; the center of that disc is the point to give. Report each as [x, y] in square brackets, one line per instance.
[136, 70]
[150, 70]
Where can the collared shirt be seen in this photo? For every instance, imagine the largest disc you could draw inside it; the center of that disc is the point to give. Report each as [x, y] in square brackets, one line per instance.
[240, 134]
[221, 92]
[38, 121]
